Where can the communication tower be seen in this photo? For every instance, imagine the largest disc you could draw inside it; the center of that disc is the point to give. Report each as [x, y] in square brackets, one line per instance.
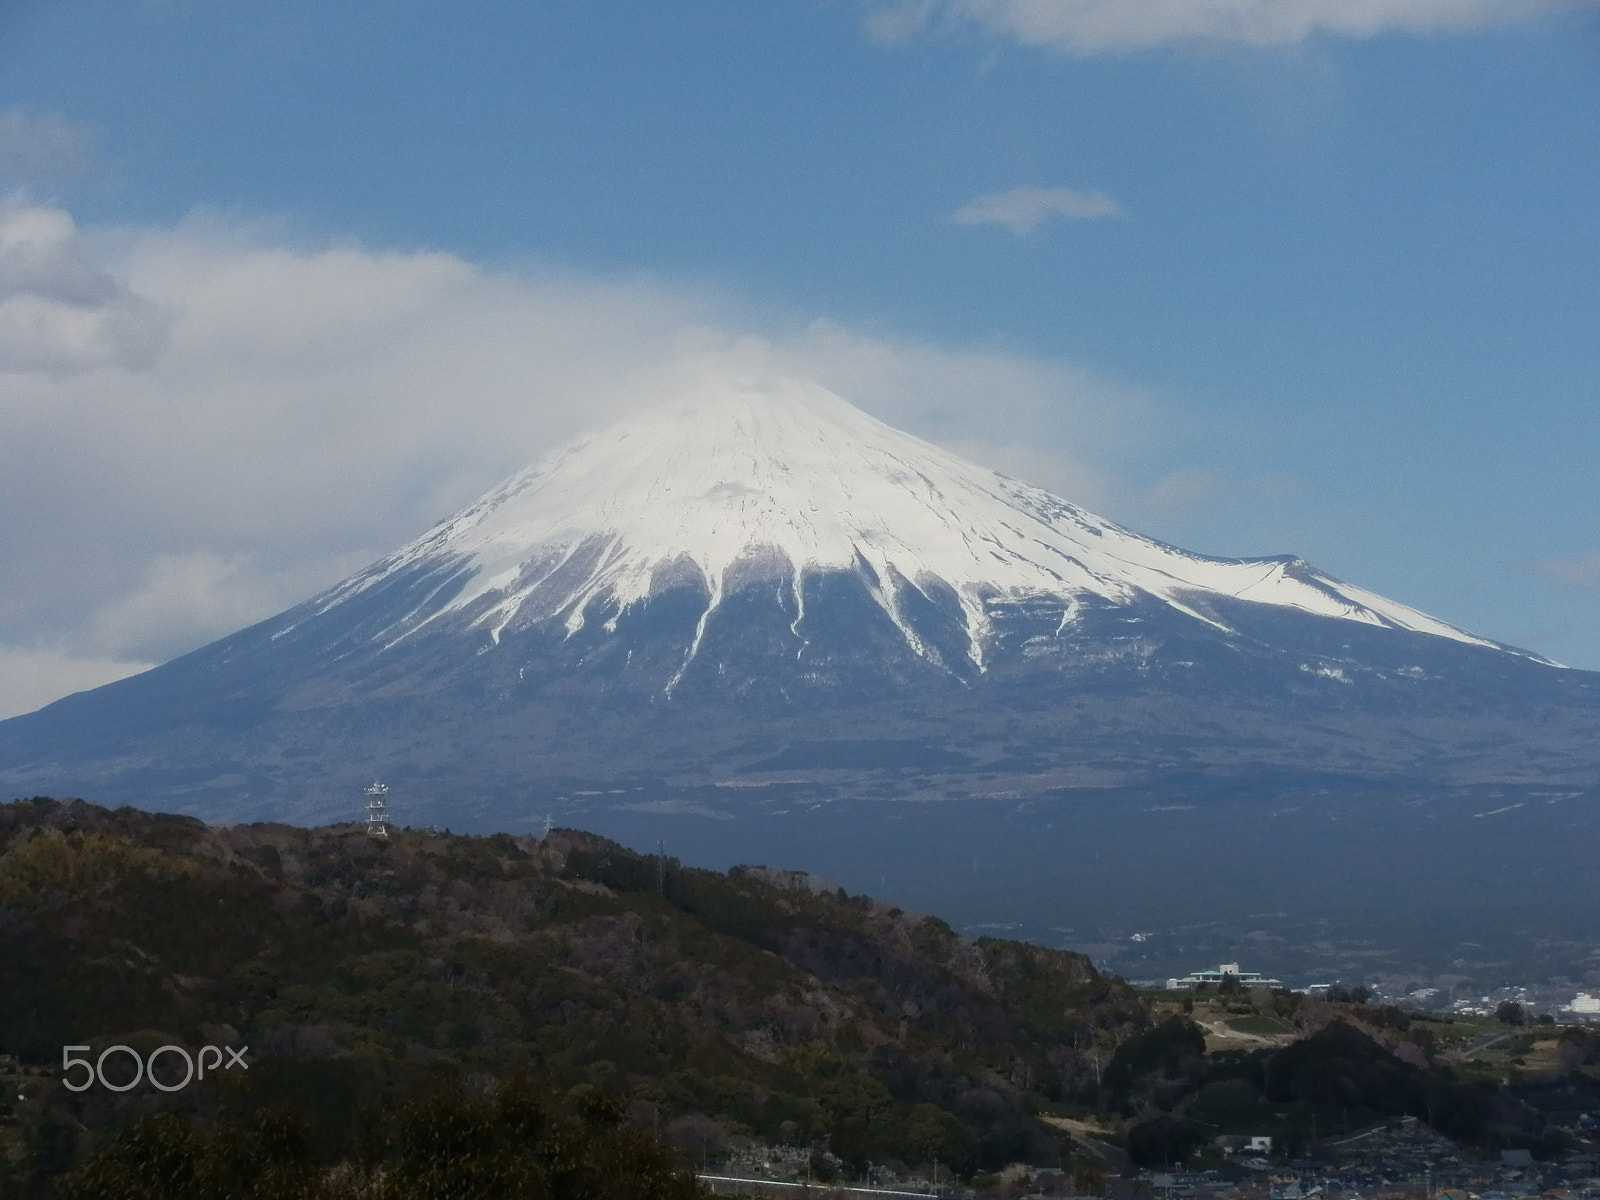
[377, 811]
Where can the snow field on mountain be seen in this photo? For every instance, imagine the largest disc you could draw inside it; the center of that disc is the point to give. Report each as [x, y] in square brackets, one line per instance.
[791, 468]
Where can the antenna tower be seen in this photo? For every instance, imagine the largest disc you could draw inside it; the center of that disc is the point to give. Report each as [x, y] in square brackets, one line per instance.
[377, 811]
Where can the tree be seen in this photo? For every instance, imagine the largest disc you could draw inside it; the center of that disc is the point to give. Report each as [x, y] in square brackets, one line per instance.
[1163, 1140]
[1578, 1048]
[1168, 1050]
[447, 1146]
[165, 1158]
[1509, 1012]
[930, 1133]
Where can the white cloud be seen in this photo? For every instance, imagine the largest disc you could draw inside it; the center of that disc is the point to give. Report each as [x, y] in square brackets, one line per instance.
[1112, 26]
[1184, 489]
[43, 148]
[1083, 483]
[59, 313]
[306, 409]
[31, 678]
[197, 596]
[1023, 210]
[1579, 573]
[1044, 421]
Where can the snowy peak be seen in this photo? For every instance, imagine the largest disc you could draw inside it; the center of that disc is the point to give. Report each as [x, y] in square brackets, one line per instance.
[795, 479]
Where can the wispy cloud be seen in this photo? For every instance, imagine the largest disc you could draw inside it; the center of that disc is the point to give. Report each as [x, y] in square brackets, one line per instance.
[1024, 210]
[1112, 26]
[59, 312]
[1580, 573]
[43, 148]
[31, 677]
[198, 595]
[1193, 487]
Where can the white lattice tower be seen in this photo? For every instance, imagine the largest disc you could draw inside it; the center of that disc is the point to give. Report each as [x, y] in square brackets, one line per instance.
[377, 810]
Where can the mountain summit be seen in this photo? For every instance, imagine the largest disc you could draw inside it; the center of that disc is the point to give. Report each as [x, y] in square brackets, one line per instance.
[766, 579]
[784, 483]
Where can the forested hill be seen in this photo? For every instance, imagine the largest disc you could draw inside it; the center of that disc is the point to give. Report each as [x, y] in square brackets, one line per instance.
[354, 967]
[390, 992]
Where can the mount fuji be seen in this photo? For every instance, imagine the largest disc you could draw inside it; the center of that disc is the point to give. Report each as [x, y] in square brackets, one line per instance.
[766, 580]
[763, 603]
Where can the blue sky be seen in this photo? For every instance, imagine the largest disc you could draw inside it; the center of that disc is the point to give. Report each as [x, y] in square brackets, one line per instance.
[1253, 276]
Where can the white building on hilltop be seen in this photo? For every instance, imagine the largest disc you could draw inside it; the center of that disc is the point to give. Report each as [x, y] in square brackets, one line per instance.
[1223, 973]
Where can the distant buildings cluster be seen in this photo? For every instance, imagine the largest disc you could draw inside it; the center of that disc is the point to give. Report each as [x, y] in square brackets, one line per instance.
[1583, 1007]
[1399, 1159]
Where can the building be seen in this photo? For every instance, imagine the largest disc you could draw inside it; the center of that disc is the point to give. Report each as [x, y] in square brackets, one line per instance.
[1216, 978]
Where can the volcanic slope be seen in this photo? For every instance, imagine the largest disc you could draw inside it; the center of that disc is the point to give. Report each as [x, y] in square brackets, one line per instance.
[766, 581]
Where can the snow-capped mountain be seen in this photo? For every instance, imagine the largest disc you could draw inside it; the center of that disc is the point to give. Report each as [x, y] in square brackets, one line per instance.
[765, 627]
[766, 579]
[789, 480]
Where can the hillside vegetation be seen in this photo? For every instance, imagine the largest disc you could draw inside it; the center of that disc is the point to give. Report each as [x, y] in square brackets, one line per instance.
[360, 971]
[562, 1016]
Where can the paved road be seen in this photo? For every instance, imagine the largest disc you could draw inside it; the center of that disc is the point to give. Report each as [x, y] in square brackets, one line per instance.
[1482, 1044]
